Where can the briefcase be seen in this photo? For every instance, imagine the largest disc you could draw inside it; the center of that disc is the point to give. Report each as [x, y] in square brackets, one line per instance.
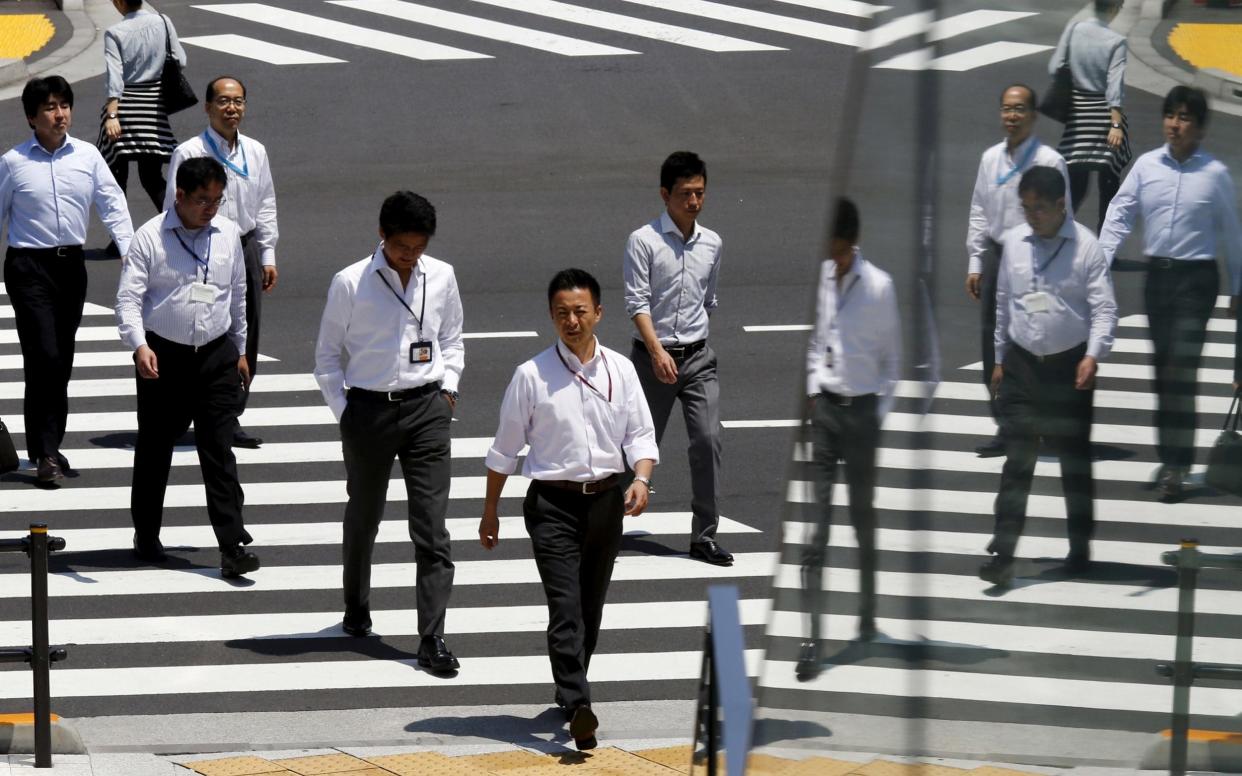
[8, 453]
[1224, 470]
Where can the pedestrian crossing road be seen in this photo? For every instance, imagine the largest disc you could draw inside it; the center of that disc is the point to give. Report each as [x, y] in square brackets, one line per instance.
[486, 29]
[1052, 650]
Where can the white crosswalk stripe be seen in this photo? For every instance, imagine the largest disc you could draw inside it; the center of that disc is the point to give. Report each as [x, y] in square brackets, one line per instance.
[262, 50]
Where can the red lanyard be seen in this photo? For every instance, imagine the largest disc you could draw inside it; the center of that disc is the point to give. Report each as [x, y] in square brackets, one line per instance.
[585, 381]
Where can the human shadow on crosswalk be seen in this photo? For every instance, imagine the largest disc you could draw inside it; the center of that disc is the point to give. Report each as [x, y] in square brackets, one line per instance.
[543, 732]
[330, 640]
[921, 650]
[79, 566]
[1151, 577]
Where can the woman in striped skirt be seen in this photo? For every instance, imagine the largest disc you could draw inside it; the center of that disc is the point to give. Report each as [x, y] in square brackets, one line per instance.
[135, 123]
[1096, 135]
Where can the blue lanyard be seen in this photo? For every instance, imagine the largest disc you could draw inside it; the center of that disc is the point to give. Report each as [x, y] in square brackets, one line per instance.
[215, 149]
[205, 262]
[1001, 180]
[1039, 272]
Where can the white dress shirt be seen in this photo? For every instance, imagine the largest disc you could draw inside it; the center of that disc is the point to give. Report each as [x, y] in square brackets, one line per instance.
[994, 205]
[154, 292]
[1189, 211]
[671, 279]
[1071, 275]
[855, 347]
[134, 50]
[1097, 59]
[366, 332]
[577, 418]
[249, 196]
[46, 196]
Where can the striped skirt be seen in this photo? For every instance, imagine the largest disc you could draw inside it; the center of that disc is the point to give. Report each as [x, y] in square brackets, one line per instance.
[1085, 140]
[144, 126]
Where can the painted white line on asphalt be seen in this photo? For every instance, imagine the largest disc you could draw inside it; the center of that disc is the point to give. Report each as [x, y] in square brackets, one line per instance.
[164, 581]
[261, 50]
[779, 327]
[615, 22]
[1106, 399]
[843, 7]
[917, 23]
[1210, 349]
[364, 37]
[498, 334]
[775, 423]
[90, 308]
[961, 61]
[1110, 370]
[125, 386]
[97, 359]
[1219, 325]
[85, 334]
[353, 674]
[316, 415]
[762, 20]
[484, 28]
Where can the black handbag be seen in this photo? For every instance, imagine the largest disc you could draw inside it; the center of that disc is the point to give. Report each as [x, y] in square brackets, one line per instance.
[175, 91]
[1059, 98]
[1224, 470]
[8, 453]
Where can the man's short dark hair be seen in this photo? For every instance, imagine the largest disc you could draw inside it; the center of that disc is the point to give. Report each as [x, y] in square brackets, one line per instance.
[38, 90]
[1046, 183]
[133, 5]
[845, 222]
[194, 174]
[569, 279]
[1192, 99]
[406, 212]
[681, 164]
[211, 85]
[1105, 7]
[1031, 102]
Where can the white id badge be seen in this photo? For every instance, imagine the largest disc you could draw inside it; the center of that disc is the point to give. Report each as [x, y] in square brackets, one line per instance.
[1036, 302]
[202, 293]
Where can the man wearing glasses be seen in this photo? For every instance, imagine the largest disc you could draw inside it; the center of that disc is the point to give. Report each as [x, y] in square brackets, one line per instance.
[249, 200]
[181, 307]
[994, 208]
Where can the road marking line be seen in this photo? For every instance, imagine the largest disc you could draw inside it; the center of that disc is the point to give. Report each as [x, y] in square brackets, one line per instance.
[780, 327]
[498, 334]
[961, 61]
[90, 308]
[484, 28]
[925, 22]
[843, 7]
[759, 19]
[96, 359]
[125, 386]
[261, 50]
[1111, 370]
[1106, 399]
[1222, 325]
[352, 34]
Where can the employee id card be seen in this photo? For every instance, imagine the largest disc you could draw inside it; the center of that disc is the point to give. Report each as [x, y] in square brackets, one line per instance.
[420, 352]
[202, 293]
[1037, 302]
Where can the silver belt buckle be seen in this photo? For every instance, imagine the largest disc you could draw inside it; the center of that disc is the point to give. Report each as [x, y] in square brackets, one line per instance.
[586, 487]
[61, 251]
[389, 394]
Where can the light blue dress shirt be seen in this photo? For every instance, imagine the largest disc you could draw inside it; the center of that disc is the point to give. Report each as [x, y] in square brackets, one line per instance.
[134, 50]
[1189, 211]
[1071, 274]
[46, 196]
[671, 279]
[1097, 58]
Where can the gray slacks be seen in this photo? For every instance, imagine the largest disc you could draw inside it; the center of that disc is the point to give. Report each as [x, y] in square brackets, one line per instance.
[416, 432]
[254, 307]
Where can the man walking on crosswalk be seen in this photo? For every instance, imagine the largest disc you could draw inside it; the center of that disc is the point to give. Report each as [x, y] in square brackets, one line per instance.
[388, 360]
[1055, 317]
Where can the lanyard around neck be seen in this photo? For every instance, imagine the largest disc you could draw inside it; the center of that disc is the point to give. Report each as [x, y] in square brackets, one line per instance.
[206, 262]
[418, 319]
[582, 377]
[244, 170]
[1042, 268]
[1001, 180]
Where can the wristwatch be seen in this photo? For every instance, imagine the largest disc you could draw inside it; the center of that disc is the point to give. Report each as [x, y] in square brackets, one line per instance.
[1116, 125]
[646, 481]
[111, 116]
[454, 395]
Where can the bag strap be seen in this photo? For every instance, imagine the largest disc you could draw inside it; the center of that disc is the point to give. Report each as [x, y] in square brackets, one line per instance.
[1234, 416]
[167, 38]
[1069, 39]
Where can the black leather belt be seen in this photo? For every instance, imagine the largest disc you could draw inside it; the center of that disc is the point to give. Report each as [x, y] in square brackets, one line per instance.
[247, 237]
[588, 488]
[679, 352]
[1163, 262]
[59, 252]
[402, 395]
[845, 401]
[1073, 354]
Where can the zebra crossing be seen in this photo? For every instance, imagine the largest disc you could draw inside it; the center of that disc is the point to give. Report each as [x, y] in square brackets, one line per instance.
[1055, 649]
[403, 28]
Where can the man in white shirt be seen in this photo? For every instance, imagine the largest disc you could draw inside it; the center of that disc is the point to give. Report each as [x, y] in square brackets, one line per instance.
[580, 408]
[249, 200]
[48, 185]
[1055, 317]
[181, 307]
[853, 363]
[1188, 204]
[994, 208]
[389, 360]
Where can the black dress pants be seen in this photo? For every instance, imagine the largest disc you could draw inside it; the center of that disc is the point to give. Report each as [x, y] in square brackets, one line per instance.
[987, 318]
[1080, 179]
[254, 306]
[1037, 399]
[150, 175]
[842, 430]
[575, 538]
[198, 385]
[1180, 296]
[415, 431]
[47, 288]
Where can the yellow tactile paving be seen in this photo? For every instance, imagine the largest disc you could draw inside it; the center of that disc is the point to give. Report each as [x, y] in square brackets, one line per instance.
[320, 764]
[236, 766]
[504, 761]
[675, 757]
[890, 768]
[820, 766]
[22, 34]
[1209, 45]
[992, 770]
[424, 764]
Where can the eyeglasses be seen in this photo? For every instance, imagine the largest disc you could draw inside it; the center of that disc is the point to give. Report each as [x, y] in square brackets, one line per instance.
[1020, 110]
[207, 203]
[224, 102]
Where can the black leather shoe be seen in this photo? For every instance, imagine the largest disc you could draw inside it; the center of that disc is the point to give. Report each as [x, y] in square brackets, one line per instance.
[237, 561]
[151, 552]
[993, 448]
[49, 472]
[357, 622]
[582, 726]
[1078, 562]
[434, 654]
[998, 571]
[710, 552]
[64, 463]
[808, 661]
[242, 439]
[1170, 482]
[866, 629]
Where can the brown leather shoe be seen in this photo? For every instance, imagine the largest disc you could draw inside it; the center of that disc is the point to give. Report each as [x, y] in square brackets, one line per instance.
[49, 472]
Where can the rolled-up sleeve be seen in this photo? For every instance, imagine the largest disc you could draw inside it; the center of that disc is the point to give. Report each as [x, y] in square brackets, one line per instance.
[330, 354]
[511, 432]
[636, 272]
[114, 79]
[1114, 93]
[639, 442]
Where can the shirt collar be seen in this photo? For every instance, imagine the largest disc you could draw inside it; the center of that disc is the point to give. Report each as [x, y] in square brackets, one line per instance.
[1168, 154]
[855, 266]
[572, 360]
[1021, 149]
[379, 262]
[173, 221]
[222, 143]
[667, 226]
[64, 147]
[1068, 230]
